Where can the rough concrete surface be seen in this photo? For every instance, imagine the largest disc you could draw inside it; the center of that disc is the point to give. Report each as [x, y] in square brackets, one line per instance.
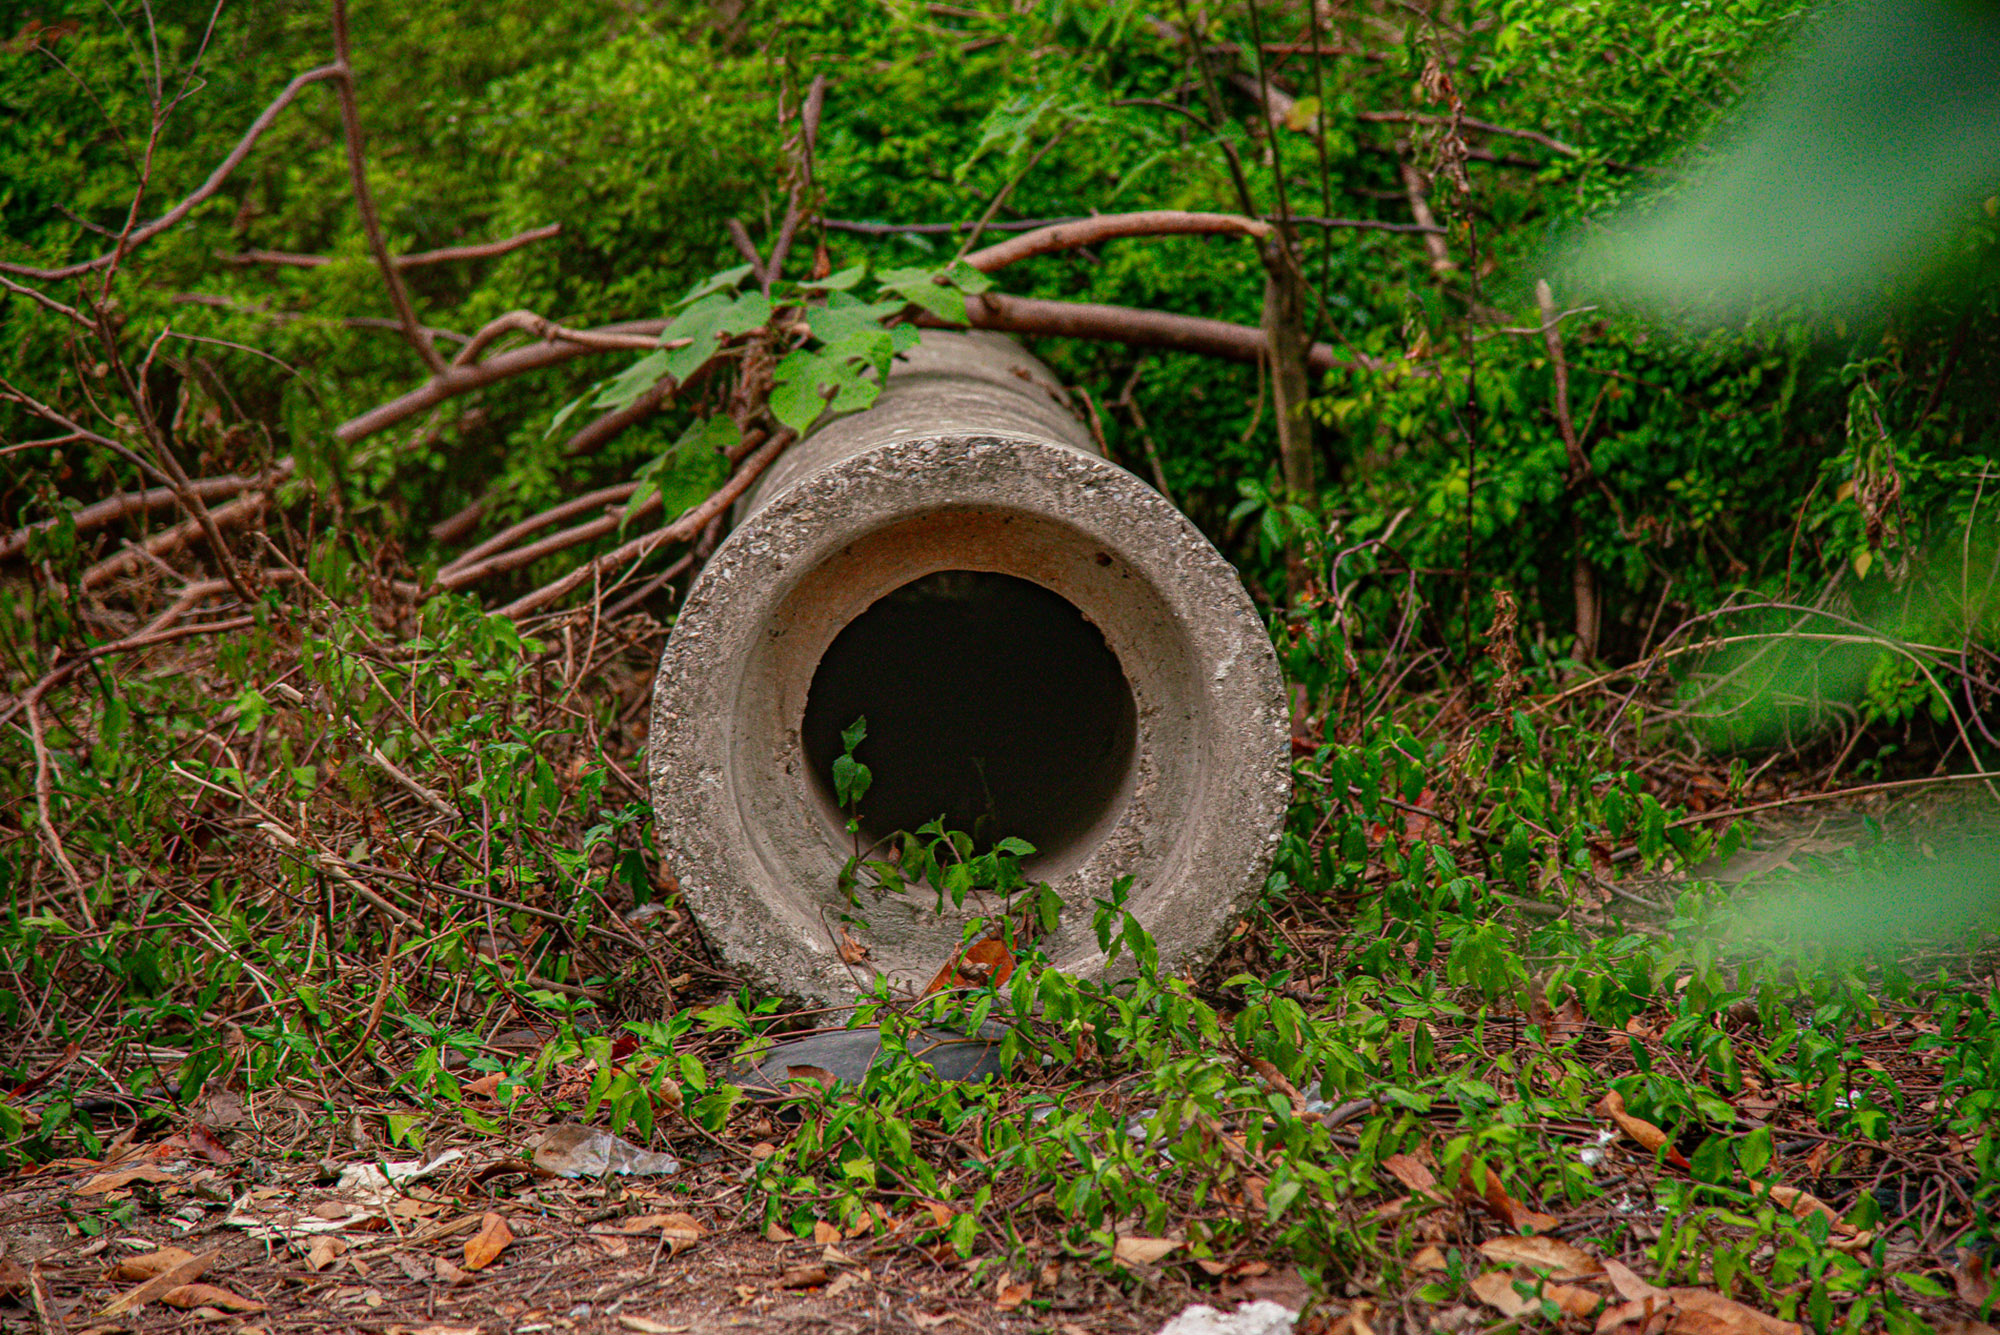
[1167, 756]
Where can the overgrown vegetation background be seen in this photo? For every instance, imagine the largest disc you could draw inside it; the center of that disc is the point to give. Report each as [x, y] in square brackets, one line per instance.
[285, 806]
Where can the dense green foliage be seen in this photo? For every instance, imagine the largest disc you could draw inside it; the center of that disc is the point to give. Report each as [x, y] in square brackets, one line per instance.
[1720, 457]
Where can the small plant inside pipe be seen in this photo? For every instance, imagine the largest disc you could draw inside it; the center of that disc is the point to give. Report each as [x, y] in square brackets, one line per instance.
[931, 855]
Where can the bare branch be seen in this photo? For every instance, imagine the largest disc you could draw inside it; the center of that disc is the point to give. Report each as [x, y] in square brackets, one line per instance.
[206, 189]
[1090, 231]
[1127, 324]
[46, 302]
[480, 251]
[681, 530]
[507, 537]
[114, 508]
[527, 322]
[463, 379]
[1033, 224]
[371, 222]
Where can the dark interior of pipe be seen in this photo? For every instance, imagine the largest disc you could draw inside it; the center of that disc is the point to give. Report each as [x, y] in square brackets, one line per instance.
[990, 701]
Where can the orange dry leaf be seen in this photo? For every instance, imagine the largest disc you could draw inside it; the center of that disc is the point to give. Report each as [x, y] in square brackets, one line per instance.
[123, 1177]
[984, 961]
[826, 1234]
[804, 1277]
[1648, 1135]
[208, 1295]
[485, 1246]
[1700, 1312]
[1496, 1289]
[1561, 1260]
[148, 1264]
[1497, 1202]
[1013, 1295]
[184, 1272]
[1407, 1170]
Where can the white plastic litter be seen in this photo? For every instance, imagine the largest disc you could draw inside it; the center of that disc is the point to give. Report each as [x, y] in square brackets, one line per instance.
[377, 1178]
[1258, 1318]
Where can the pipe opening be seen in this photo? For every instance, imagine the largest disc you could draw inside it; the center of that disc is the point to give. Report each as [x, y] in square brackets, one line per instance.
[989, 700]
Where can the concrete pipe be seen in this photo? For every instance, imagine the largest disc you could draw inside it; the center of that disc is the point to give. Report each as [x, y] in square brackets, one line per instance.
[1042, 647]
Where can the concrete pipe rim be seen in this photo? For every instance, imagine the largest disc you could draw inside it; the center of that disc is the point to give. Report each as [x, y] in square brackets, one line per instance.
[748, 827]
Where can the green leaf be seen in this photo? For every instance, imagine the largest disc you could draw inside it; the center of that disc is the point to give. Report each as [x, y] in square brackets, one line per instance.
[726, 281]
[923, 288]
[707, 322]
[854, 734]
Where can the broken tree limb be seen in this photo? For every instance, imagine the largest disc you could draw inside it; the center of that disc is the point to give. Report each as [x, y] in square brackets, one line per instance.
[371, 221]
[478, 251]
[681, 530]
[125, 505]
[1017, 315]
[1583, 577]
[1130, 325]
[1069, 235]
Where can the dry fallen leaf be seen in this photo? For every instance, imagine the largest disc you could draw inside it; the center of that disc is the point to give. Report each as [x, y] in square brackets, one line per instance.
[1561, 1260]
[645, 1325]
[208, 1295]
[124, 1177]
[1133, 1250]
[804, 1277]
[447, 1273]
[485, 1246]
[1496, 1289]
[778, 1233]
[1648, 1135]
[1407, 1170]
[852, 951]
[1429, 1258]
[825, 1234]
[1972, 1278]
[1499, 1204]
[1012, 1296]
[842, 1282]
[148, 1264]
[325, 1251]
[801, 1074]
[185, 1272]
[1700, 1312]
[1630, 1287]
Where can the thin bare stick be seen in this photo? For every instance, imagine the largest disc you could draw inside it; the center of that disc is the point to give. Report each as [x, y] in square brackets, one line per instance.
[569, 509]
[781, 249]
[238, 512]
[464, 573]
[480, 251]
[1583, 579]
[44, 787]
[123, 506]
[1127, 324]
[1035, 224]
[527, 322]
[681, 530]
[464, 379]
[206, 189]
[47, 302]
[1090, 231]
[739, 236]
[371, 222]
[163, 451]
